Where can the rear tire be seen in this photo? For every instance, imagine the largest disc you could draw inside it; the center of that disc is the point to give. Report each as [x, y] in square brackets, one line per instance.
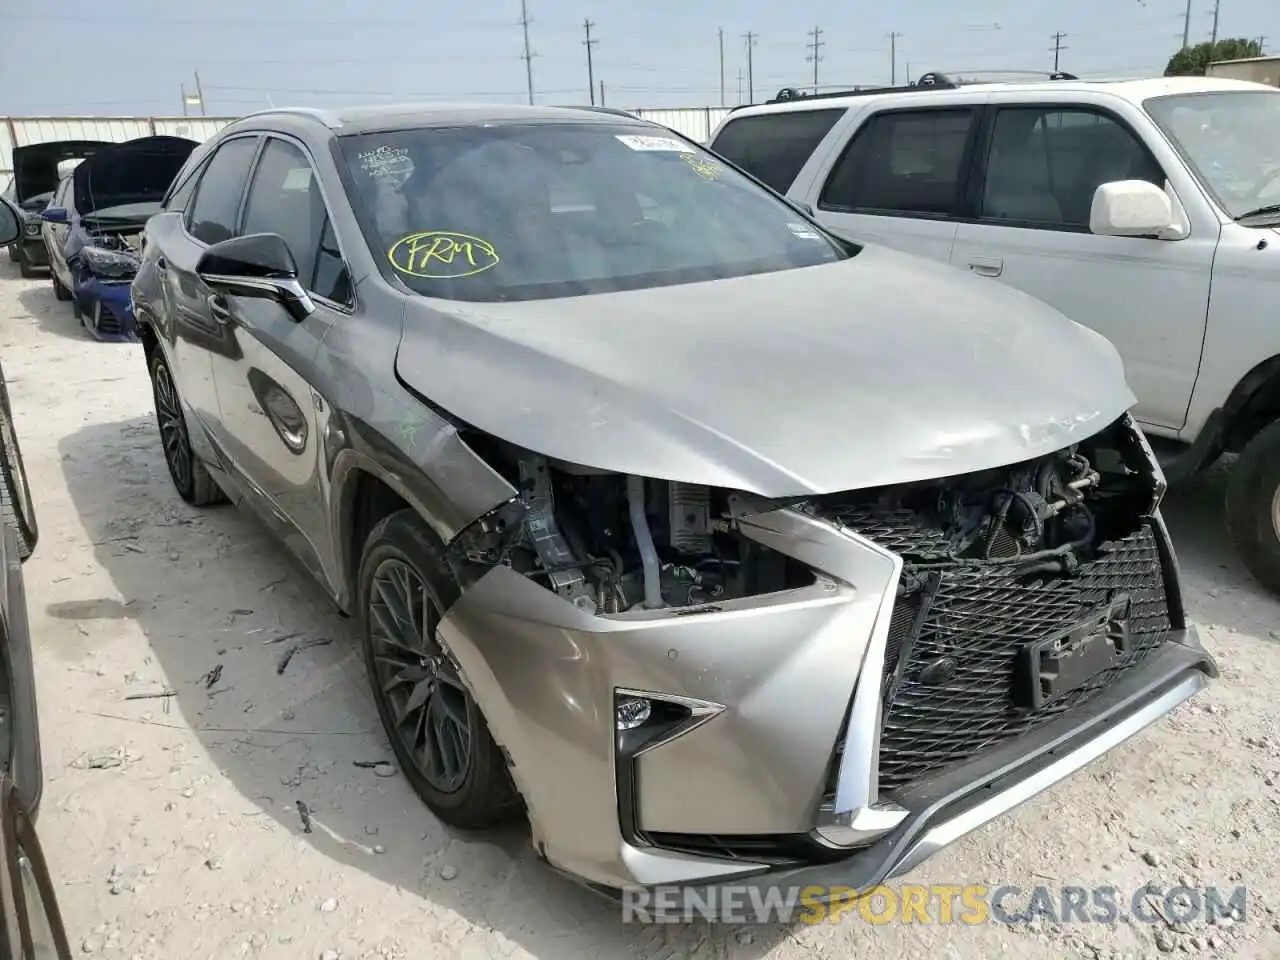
[190, 477]
[59, 291]
[1253, 507]
[441, 740]
[26, 269]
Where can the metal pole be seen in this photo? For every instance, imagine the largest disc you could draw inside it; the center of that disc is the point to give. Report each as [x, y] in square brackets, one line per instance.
[183, 88]
[528, 57]
[602, 93]
[1186, 27]
[722, 66]
[591, 76]
[751, 83]
[893, 59]
[1217, 4]
[200, 94]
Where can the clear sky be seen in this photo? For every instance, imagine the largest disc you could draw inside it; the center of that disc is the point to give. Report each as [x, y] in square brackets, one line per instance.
[133, 56]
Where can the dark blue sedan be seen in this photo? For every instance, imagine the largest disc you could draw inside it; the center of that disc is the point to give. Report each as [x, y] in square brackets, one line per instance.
[93, 228]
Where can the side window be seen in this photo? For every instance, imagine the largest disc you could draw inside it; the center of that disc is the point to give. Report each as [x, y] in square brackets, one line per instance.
[902, 162]
[181, 197]
[64, 188]
[1045, 165]
[217, 201]
[285, 199]
[772, 147]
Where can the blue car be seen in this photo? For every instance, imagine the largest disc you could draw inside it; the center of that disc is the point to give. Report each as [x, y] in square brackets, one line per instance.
[93, 228]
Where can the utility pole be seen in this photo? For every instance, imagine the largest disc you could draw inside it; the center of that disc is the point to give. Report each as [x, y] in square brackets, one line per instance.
[183, 88]
[602, 93]
[1057, 49]
[1186, 27]
[722, 66]
[751, 85]
[739, 85]
[815, 44]
[893, 58]
[591, 76]
[1217, 4]
[527, 56]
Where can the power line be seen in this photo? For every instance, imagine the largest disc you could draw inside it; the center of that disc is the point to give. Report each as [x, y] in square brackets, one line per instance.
[751, 86]
[1057, 49]
[528, 54]
[591, 75]
[815, 43]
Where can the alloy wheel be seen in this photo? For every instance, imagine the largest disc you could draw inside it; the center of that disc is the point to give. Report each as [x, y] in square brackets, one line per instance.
[417, 678]
[173, 428]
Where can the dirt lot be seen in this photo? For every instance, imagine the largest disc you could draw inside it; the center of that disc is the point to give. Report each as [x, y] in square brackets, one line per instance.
[176, 832]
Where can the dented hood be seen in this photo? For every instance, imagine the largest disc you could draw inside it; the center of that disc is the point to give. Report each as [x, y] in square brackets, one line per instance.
[881, 369]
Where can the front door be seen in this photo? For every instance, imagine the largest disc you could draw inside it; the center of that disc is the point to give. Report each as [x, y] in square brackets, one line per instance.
[55, 234]
[1149, 297]
[270, 415]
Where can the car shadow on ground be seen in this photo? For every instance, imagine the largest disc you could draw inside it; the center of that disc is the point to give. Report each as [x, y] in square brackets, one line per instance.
[211, 591]
[38, 301]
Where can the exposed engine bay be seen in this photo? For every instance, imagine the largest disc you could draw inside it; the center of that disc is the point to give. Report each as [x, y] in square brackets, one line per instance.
[610, 543]
[111, 254]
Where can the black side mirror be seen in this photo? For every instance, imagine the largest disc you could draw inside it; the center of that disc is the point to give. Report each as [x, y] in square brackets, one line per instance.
[10, 222]
[258, 265]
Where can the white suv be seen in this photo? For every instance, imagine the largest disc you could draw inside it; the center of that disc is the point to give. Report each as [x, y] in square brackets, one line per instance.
[1148, 210]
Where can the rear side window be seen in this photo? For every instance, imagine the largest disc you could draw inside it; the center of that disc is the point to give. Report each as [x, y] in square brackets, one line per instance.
[772, 147]
[217, 200]
[902, 162]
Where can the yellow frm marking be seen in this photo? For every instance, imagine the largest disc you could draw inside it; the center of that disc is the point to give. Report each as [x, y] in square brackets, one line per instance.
[442, 255]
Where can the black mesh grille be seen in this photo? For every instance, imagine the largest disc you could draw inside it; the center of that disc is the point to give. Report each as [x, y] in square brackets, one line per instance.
[980, 617]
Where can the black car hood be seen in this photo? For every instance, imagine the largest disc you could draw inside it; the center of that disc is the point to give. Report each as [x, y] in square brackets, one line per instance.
[35, 166]
[137, 171]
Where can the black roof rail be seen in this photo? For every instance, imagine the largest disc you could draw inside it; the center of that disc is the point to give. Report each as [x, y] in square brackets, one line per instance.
[929, 81]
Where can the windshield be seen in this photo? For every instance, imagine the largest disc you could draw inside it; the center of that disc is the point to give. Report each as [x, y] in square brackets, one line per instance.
[518, 212]
[1231, 141]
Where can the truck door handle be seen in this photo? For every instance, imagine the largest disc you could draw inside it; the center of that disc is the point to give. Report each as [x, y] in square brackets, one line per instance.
[162, 265]
[987, 266]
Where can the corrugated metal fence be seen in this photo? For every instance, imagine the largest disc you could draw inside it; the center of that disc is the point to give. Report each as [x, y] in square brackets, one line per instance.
[694, 122]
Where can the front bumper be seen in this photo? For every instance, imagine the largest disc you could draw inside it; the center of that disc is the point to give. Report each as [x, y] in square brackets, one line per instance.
[32, 251]
[107, 308]
[779, 682]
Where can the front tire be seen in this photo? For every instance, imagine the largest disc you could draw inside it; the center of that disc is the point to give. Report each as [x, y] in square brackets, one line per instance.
[435, 727]
[1253, 507]
[59, 291]
[15, 493]
[24, 268]
[190, 477]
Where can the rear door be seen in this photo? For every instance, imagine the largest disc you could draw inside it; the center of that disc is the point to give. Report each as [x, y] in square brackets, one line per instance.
[209, 214]
[271, 417]
[900, 179]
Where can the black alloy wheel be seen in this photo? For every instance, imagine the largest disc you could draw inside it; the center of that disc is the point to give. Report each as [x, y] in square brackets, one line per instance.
[15, 493]
[190, 478]
[437, 731]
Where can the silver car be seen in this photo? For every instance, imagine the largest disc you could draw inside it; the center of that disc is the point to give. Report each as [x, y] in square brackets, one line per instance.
[725, 548]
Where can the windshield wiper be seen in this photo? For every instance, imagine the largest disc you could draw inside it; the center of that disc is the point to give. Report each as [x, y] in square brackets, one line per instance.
[1271, 209]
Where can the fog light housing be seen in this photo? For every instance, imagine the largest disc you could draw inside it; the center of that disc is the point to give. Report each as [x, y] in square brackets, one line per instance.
[632, 712]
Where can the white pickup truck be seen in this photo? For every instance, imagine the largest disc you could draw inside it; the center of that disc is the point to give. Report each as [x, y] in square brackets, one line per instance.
[1148, 210]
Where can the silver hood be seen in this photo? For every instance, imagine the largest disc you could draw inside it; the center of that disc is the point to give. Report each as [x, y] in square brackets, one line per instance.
[881, 369]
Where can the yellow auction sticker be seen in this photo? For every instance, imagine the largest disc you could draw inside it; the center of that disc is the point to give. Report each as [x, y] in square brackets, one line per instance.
[442, 255]
[706, 169]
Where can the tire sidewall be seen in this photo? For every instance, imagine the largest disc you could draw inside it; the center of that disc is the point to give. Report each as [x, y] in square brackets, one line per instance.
[158, 361]
[1251, 492]
[403, 537]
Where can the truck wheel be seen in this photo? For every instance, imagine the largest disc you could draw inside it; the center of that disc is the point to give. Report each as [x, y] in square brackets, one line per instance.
[59, 291]
[1253, 507]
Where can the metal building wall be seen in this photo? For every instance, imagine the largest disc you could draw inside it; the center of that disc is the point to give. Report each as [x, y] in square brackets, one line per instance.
[22, 131]
[696, 123]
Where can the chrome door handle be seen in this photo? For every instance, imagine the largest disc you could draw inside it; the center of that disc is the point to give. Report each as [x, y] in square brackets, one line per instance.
[987, 266]
[218, 309]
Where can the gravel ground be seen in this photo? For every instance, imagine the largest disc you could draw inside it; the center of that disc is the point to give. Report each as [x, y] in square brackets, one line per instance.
[175, 831]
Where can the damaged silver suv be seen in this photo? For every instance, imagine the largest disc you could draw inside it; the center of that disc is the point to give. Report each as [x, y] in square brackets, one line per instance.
[722, 547]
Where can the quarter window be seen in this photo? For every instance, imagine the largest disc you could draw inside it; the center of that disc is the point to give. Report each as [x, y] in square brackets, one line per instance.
[773, 147]
[1046, 164]
[906, 162]
[285, 199]
[217, 201]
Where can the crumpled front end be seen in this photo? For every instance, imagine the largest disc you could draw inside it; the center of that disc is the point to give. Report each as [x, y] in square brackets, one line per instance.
[696, 687]
[102, 270]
